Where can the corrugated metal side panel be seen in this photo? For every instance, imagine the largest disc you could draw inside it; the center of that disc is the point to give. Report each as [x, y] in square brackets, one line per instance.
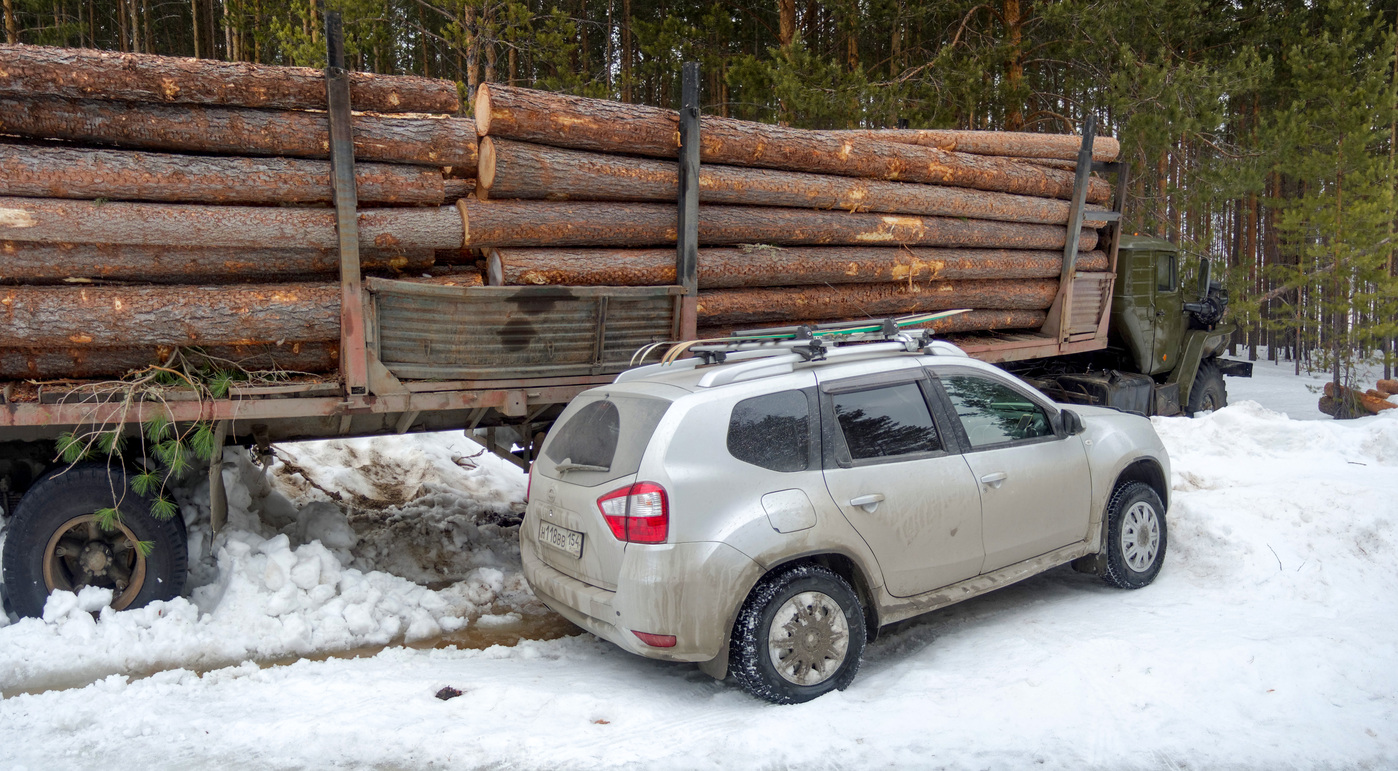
[1089, 295]
[482, 336]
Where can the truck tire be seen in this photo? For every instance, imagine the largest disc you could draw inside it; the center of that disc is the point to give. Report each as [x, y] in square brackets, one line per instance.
[1208, 392]
[799, 635]
[53, 542]
[1136, 536]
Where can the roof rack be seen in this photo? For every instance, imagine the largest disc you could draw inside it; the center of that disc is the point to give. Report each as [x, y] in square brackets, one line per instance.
[773, 349]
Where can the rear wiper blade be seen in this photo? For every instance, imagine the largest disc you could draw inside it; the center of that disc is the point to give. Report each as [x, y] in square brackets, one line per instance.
[568, 465]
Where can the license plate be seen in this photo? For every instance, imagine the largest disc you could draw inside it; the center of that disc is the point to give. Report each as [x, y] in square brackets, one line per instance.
[561, 538]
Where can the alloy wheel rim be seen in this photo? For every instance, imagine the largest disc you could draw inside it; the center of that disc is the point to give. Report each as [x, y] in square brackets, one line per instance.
[808, 639]
[1140, 536]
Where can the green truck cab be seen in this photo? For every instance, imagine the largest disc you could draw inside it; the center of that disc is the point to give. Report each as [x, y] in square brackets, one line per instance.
[1164, 341]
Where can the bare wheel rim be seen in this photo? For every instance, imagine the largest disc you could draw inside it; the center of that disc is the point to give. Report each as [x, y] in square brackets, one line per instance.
[1140, 536]
[81, 554]
[809, 638]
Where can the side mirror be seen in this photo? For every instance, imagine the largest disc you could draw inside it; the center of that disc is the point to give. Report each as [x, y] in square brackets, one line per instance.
[1072, 423]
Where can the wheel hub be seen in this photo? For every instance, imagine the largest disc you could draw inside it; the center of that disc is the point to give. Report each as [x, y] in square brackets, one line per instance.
[809, 639]
[1140, 536]
[81, 553]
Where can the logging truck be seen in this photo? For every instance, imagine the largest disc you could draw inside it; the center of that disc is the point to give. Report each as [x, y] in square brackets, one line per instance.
[562, 300]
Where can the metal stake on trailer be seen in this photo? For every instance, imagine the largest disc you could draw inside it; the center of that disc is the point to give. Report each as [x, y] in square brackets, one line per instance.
[687, 234]
[354, 365]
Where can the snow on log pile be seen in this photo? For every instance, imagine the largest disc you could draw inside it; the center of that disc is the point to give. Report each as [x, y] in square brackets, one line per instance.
[158, 197]
[148, 202]
[793, 225]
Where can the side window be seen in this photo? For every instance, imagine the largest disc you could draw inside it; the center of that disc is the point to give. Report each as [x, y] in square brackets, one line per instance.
[885, 422]
[772, 431]
[1166, 273]
[994, 413]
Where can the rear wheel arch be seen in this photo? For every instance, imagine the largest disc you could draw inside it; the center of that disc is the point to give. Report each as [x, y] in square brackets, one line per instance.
[841, 565]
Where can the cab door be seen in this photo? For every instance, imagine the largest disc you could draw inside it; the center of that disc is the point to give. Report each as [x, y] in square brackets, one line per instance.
[1034, 483]
[906, 491]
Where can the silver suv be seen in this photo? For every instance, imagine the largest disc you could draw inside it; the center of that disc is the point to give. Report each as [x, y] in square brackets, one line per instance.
[764, 512]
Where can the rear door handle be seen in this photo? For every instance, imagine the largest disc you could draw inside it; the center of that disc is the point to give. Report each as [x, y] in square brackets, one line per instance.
[994, 480]
[867, 502]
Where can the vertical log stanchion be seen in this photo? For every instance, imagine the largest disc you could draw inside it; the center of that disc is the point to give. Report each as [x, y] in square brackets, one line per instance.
[354, 365]
[1060, 315]
[687, 241]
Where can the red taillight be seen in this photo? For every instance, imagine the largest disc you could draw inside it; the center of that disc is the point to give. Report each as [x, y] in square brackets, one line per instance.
[637, 514]
[656, 640]
[529, 484]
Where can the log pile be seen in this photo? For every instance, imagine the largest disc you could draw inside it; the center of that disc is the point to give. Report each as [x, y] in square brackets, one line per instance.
[794, 225]
[148, 202]
[1344, 403]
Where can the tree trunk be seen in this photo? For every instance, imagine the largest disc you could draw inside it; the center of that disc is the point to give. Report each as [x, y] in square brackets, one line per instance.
[547, 223]
[87, 363]
[509, 169]
[238, 131]
[594, 124]
[757, 267]
[748, 306]
[84, 73]
[1013, 144]
[29, 263]
[249, 314]
[119, 175]
[61, 221]
[975, 321]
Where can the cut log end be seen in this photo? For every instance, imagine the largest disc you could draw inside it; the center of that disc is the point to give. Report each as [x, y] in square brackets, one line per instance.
[483, 110]
[485, 167]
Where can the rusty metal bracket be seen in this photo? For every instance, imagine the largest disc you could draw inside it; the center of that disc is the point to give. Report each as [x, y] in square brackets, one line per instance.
[687, 240]
[353, 363]
[1059, 315]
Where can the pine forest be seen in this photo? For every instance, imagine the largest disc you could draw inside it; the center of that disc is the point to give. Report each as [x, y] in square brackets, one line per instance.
[1261, 133]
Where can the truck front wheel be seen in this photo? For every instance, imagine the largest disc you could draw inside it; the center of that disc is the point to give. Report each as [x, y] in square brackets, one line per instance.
[1208, 392]
[54, 542]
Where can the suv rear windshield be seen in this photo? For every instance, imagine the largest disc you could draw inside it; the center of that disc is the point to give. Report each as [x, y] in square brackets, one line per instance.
[609, 433]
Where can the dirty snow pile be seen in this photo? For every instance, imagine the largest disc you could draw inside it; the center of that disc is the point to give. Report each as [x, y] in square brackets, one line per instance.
[1269, 640]
[284, 577]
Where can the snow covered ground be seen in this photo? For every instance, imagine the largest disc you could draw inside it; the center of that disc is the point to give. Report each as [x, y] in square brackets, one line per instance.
[1270, 639]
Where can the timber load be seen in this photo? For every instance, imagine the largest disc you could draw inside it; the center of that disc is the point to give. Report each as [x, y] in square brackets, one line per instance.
[149, 203]
[793, 224]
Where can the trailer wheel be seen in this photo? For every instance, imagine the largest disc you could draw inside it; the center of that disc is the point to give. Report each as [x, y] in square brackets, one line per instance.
[1208, 392]
[53, 542]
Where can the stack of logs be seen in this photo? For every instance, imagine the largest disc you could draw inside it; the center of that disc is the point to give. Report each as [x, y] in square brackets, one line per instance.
[151, 202]
[795, 225]
[1346, 403]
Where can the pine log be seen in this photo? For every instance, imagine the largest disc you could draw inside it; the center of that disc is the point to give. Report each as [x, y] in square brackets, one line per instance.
[1389, 387]
[120, 175]
[1356, 398]
[509, 169]
[750, 306]
[548, 223]
[1014, 144]
[974, 321]
[86, 73]
[62, 221]
[69, 317]
[38, 263]
[422, 140]
[754, 267]
[595, 124]
[87, 363]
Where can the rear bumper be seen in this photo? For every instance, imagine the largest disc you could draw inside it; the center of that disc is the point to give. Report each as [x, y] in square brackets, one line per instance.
[689, 590]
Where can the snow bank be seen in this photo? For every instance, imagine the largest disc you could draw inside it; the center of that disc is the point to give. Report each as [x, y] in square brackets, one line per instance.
[282, 580]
